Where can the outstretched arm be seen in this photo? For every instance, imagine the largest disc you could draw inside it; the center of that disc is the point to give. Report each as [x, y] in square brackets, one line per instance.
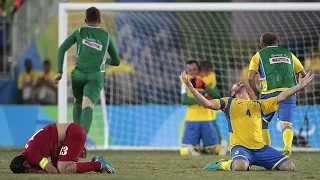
[200, 98]
[303, 82]
[63, 48]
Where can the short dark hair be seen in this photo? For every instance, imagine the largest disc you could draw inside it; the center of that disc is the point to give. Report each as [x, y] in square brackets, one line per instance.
[269, 39]
[92, 15]
[206, 66]
[28, 60]
[47, 62]
[192, 62]
[17, 164]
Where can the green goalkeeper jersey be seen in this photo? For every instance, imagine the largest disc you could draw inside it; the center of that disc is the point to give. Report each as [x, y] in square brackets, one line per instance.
[93, 44]
[277, 67]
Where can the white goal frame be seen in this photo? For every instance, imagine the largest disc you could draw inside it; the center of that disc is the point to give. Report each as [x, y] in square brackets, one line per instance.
[230, 7]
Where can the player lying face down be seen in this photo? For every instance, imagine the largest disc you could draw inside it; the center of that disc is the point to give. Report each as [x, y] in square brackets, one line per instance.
[245, 128]
[62, 143]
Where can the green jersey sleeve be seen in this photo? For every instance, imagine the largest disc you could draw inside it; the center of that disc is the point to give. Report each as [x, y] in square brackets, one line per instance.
[63, 48]
[115, 59]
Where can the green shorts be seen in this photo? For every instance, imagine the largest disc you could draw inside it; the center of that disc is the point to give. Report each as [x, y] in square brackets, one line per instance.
[87, 84]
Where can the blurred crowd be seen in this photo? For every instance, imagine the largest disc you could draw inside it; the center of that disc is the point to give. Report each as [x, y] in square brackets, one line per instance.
[7, 10]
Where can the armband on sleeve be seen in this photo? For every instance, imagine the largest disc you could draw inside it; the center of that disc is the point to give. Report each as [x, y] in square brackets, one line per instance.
[43, 162]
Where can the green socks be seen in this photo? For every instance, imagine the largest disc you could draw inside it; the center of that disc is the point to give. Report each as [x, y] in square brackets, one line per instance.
[77, 111]
[86, 118]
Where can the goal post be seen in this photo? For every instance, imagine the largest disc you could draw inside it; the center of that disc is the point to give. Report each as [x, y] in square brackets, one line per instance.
[152, 119]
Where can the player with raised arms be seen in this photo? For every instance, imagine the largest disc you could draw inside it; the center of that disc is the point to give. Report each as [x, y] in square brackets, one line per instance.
[87, 78]
[63, 144]
[277, 68]
[243, 117]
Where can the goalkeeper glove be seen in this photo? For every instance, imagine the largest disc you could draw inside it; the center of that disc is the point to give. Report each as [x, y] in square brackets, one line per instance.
[198, 83]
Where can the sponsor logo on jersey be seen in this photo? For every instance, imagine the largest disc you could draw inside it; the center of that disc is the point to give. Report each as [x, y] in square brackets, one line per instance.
[275, 60]
[237, 152]
[92, 44]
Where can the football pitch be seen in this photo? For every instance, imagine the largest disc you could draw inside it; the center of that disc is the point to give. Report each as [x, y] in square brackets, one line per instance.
[146, 165]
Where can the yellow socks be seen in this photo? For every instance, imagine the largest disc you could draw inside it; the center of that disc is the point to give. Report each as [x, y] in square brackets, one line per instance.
[215, 149]
[226, 165]
[287, 135]
[266, 136]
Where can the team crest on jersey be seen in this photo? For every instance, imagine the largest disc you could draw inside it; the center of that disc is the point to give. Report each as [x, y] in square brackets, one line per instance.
[91, 44]
[237, 152]
[275, 60]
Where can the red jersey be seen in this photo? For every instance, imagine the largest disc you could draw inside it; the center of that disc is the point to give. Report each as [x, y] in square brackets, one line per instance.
[43, 144]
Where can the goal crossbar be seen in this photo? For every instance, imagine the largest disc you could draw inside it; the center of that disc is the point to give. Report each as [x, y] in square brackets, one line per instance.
[193, 6]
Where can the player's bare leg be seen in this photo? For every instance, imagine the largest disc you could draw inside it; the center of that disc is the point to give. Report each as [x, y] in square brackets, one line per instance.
[240, 165]
[287, 166]
[99, 165]
[287, 134]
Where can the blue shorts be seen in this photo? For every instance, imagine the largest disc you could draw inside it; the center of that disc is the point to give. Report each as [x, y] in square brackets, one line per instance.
[266, 157]
[196, 130]
[286, 111]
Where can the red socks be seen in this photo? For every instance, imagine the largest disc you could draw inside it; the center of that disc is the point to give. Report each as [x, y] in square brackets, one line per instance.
[83, 167]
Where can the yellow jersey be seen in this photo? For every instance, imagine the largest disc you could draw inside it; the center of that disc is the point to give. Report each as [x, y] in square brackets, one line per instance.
[312, 64]
[211, 80]
[245, 121]
[255, 65]
[28, 79]
[196, 112]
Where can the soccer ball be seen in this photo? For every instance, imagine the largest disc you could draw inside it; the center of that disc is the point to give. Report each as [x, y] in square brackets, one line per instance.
[184, 151]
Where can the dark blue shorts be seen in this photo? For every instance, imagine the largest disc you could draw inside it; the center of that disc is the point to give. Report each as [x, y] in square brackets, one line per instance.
[266, 157]
[196, 130]
[286, 111]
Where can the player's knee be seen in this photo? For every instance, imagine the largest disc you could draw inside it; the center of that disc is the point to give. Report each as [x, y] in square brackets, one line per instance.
[86, 102]
[66, 167]
[285, 124]
[240, 165]
[62, 169]
[287, 166]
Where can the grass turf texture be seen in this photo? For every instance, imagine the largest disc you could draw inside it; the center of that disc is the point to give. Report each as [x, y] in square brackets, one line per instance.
[148, 165]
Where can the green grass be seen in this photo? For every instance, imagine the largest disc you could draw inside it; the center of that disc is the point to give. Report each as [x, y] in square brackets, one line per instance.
[168, 165]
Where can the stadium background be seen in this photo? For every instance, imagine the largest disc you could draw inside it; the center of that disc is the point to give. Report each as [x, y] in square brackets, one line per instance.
[15, 132]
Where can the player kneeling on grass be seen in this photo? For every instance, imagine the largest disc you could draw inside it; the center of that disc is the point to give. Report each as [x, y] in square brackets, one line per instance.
[244, 122]
[62, 143]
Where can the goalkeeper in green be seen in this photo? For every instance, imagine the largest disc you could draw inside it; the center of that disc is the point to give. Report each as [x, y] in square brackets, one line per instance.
[87, 78]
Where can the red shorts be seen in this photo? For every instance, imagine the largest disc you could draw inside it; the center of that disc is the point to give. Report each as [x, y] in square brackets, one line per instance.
[73, 143]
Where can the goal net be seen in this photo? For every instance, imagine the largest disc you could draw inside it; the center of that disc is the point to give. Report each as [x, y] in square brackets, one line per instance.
[142, 107]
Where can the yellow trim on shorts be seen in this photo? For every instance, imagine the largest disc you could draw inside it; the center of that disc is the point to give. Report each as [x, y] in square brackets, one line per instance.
[275, 165]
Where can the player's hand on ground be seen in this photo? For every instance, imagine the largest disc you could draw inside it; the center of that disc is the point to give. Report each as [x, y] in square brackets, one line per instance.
[184, 78]
[57, 78]
[303, 82]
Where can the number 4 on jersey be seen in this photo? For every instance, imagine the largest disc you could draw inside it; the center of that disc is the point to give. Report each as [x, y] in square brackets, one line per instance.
[248, 113]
